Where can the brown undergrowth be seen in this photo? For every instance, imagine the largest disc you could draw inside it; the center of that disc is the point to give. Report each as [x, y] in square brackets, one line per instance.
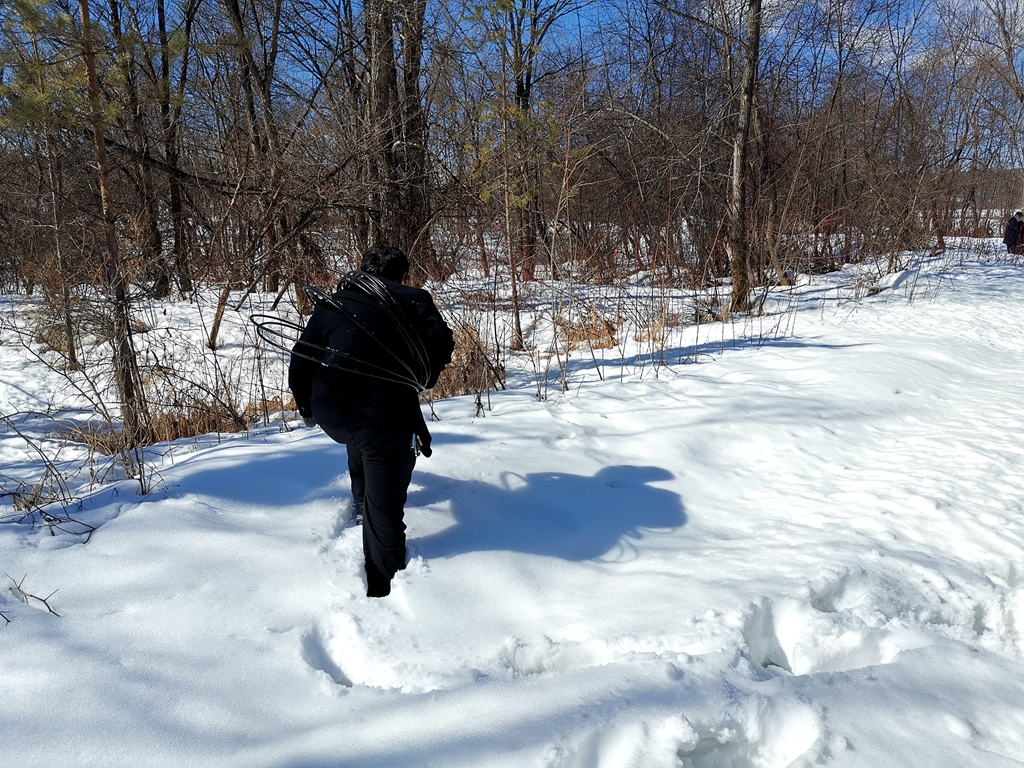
[471, 371]
[183, 421]
[586, 329]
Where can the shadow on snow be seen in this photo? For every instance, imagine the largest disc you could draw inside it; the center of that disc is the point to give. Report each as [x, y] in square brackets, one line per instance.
[580, 362]
[572, 517]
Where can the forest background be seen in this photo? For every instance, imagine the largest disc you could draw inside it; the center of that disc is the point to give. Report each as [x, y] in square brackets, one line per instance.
[154, 149]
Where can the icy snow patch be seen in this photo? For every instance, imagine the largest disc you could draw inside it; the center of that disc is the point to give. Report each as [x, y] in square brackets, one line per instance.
[853, 621]
[755, 736]
[794, 636]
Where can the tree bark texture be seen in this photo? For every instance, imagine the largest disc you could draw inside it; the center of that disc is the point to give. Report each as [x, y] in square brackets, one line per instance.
[738, 243]
[136, 427]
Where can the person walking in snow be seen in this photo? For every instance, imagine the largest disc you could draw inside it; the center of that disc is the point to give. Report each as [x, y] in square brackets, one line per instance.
[1013, 237]
[356, 371]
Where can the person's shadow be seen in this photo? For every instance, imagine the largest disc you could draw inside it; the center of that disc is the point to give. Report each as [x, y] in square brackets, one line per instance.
[551, 513]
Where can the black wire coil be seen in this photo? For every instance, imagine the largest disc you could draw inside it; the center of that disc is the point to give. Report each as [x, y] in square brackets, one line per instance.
[413, 361]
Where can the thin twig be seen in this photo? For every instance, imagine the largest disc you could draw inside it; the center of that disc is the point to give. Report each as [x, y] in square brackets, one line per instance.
[24, 596]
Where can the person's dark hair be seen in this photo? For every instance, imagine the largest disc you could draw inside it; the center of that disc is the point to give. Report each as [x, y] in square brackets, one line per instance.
[1019, 213]
[385, 261]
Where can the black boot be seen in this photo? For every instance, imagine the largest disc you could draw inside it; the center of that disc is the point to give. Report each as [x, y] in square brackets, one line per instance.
[377, 584]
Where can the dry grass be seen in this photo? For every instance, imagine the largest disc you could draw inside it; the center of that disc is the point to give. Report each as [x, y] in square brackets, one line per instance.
[470, 371]
[586, 330]
[198, 418]
[28, 498]
[52, 336]
[262, 410]
[181, 421]
[97, 436]
[657, 330]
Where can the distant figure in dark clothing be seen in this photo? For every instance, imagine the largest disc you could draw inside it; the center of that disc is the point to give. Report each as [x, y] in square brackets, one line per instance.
[356, 371]
[1013, 238]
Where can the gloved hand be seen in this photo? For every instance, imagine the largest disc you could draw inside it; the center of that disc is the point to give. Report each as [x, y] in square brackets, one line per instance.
[308, 421]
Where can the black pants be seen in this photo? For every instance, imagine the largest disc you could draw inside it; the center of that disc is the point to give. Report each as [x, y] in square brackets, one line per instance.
[381, 468]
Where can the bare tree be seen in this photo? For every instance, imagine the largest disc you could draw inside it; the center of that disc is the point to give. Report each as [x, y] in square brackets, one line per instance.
[137, 429]
[737, 246]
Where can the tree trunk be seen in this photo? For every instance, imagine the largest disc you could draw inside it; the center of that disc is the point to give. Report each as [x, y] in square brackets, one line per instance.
[737, 244]
[383, 112]
[136, 428]
[398, 131]
[149, 239]
[415, 215]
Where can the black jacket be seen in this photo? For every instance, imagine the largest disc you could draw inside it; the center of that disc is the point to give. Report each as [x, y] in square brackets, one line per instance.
[351, 367]
[1012, 236]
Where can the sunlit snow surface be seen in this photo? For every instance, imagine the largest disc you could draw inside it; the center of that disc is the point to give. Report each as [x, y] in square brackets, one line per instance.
[805, 549]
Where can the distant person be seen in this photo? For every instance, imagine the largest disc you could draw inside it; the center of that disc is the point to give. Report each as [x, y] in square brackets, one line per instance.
[1013, 238]
[356, 371]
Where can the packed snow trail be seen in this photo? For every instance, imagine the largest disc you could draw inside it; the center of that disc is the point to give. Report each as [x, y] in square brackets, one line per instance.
[810, 552]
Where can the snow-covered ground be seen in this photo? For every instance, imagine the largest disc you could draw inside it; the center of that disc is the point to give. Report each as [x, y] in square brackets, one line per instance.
[806, 550]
